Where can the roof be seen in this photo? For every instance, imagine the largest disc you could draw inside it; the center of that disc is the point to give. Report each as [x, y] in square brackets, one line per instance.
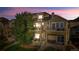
[59, 17]
[40, 13]
[4, 20]
[75, 20]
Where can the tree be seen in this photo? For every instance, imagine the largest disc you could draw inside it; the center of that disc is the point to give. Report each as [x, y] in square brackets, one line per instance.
[23, 27]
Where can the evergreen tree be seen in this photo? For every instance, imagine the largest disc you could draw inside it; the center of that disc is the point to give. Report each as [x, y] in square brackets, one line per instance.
[24, 27]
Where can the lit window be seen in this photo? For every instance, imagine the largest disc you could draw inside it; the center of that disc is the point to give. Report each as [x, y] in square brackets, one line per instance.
[38, 25]
[40, 16]
[37, 36]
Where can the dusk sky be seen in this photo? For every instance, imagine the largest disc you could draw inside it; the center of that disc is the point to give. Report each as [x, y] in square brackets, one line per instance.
[69, 13]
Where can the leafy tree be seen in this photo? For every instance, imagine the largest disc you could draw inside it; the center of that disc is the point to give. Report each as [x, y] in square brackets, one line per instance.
[23, 27]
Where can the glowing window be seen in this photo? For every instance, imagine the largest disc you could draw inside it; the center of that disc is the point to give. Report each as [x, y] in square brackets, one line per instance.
[38, 25]
[37, 36]
[40, 16]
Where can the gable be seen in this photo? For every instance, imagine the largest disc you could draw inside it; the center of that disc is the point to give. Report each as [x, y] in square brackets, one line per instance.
[57, 18]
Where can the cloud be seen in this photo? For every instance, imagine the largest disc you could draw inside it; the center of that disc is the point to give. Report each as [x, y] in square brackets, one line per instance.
[68, 14]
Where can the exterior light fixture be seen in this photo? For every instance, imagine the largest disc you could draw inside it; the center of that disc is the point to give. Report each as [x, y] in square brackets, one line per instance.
[42, 23]
[37, 36]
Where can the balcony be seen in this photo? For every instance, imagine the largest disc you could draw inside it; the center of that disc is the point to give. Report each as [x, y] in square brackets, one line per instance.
[55, 32]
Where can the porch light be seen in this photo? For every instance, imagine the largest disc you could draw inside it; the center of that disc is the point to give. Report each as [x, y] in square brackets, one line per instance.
[42, 23]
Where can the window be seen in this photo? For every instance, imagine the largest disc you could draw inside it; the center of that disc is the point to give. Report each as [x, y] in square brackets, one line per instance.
[53, 26]
[40, 16]
[61, 25]
[57, 26]
[37, 36]
[60, 39]
[37, 25]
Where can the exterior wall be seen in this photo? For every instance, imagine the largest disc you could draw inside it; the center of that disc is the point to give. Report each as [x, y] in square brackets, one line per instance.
[11, 36]
[5, 29]
[1, 30]
[42, 31]
[54, 31]
[50, 35]
[55, 34]
[73, 23]
[74, 32]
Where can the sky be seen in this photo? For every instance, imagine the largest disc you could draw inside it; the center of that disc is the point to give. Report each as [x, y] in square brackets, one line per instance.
[68, 13]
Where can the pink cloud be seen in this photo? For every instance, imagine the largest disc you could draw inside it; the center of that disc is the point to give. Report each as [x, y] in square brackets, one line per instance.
[68, 14]
[70, 11]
